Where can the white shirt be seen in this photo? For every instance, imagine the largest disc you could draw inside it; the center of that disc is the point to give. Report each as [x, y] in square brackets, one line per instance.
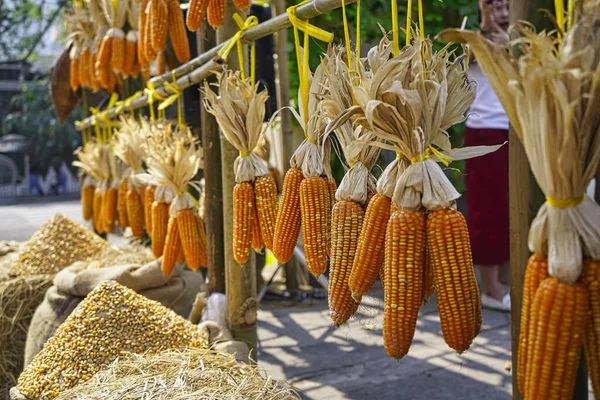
[486, 112]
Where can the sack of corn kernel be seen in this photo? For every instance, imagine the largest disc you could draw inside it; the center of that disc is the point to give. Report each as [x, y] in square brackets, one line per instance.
[110, 321]
[175, 291]
[25, 278]
[187, 375]
[7, 247]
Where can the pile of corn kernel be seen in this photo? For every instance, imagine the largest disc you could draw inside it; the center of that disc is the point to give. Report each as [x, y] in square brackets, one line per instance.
[111, 320]
[56, 245]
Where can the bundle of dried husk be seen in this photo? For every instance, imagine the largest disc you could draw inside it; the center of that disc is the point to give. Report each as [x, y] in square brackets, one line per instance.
[552, 99]
[239, 108]
[90, 162]
[188, 374]
[25, 278]
[129, 145]
[307, 199]
[173, 161]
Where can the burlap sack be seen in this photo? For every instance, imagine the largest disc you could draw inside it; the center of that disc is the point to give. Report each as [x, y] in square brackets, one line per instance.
[220, 339]
[175, 291]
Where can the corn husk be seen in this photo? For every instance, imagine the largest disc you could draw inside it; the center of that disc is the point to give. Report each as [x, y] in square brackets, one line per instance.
[359, 154]
[190, 374]
[240, 111]
[552, 97]
[129, 144]
[173, 159]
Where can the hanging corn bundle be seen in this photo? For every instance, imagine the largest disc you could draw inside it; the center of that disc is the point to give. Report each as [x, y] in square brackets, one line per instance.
[129, 146]
[348, 213]
[110, 208]
[240, 110]
[172, 164]
[196, 14]
[551, 95]
[81, 29]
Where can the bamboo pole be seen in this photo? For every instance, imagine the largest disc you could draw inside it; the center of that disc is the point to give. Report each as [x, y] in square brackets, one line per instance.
[201, 67]
[240, 280]
[213, 188]
[287, 144]
[307, 11]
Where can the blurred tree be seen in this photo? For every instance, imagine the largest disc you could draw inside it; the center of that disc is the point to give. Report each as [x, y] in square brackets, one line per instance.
[34, 117]
[22, 25]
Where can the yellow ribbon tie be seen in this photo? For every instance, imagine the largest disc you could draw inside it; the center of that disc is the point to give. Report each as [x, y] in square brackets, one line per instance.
[565, 203]
[311, 140]
[408, 22]
[357, 37]
[356, 161]
[236, 40]
[127, 102]
[421, 156]
[150, 91]
[245, 153]
[427, 154]
[346, 34]
[560, 16]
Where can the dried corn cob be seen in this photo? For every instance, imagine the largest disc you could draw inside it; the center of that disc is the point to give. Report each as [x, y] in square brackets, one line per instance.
[287, 225]
[404, 260]
[242, 5]
[591, 343]
[558, 316]
[135, 213]
[178, 33]
[148, 201]
[160, 222]
[536, 272]
[215, 12]
[161, 63]
[104, 53]
[122, 203]
[265, 195]
[117, 56]
[371, 246]
[130, 52]
[196, 13]
[142, 35]
[172, 247]
[95, 83]
[187, 225]
[97, 207]
[84, 67]
[258, 243]
[149, 53]
[159, 18]
[243, 202]
[87, 202]
[110, 209]
[74, 73]
[202, 243]
[346, 224]
[458, 295]
[142, 191]
[314, 199]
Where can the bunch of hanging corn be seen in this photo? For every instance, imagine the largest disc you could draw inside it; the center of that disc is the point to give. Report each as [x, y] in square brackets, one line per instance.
[306, 198]
[81, 29]
[422, 219]
[561, 279]
[174, 158]
[129, 146]
[240, 111]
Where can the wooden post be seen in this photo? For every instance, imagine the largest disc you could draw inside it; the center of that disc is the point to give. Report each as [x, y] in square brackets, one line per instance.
[523, 208]
[213, 187]
[287, 140]
[240, 279]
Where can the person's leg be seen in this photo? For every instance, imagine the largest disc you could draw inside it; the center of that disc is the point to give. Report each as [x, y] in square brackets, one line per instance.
[504, 274]
[489, 281]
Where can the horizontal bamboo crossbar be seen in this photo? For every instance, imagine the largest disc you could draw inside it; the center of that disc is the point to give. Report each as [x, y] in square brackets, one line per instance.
[202, 67]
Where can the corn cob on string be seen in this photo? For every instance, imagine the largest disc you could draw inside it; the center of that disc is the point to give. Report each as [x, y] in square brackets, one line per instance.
[404, 260]
[591, 343]
[347, 218]
[258, 244]
[160, 221]
[287, 224]
[148, 202]
[535, 273]
[159, 19]
[265, 194]
[215, 12]
[177, 32]
[187, 225]
[203, 246]
[243, 204]
[196, 13]
[172, 247]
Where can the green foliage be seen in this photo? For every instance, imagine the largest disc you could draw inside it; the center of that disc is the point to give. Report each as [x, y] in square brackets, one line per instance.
[21, 22]
[37, 120]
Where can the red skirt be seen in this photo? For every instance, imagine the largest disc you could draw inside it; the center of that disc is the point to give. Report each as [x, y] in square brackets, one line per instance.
[487, 197]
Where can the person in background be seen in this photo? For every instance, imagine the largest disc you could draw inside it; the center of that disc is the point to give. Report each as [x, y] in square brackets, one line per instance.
[487, 177]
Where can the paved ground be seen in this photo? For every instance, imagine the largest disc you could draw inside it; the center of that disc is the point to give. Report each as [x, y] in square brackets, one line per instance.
[299, 343]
